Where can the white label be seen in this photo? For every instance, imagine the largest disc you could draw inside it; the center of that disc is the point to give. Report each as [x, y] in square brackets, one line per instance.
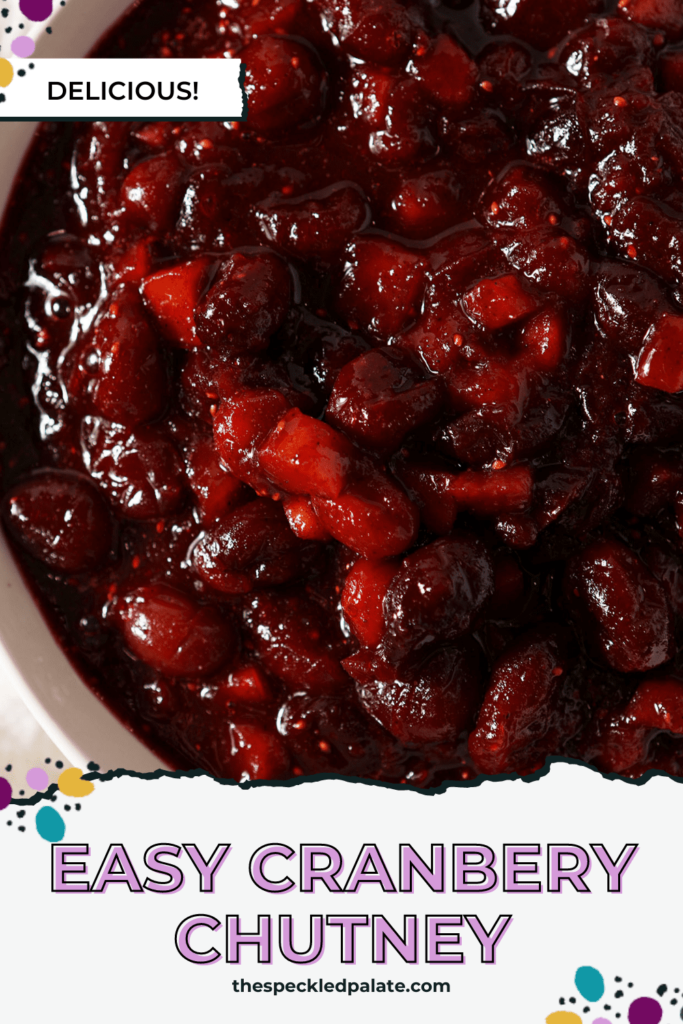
[130, 89]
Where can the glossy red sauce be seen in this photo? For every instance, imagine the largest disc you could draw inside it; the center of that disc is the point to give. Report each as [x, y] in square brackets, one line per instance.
[350, 439]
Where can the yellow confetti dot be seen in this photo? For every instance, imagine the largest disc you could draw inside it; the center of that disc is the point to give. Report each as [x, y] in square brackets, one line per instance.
[563, 1017]
[6, 72]
[71, 784]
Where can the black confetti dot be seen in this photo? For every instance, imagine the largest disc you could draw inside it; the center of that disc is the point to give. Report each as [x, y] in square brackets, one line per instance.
[92, 767]
[9, 822]
[586, 1009]
[617, 979]
[67, 807]
[607, 1006]
[22, 828]
[47, 760]
[661, 990]
[571, 999]
[31, 66]
[49, 31]
[21, 792]
[53, 798]
[561, 1000]
[8, 29]
[8, 767]
[673, 1002]
[2, 97]
[78, 807]
[618, 994]
[5, 12]
[21, 26]
[21, 72]
[59, 764]
[20, 814]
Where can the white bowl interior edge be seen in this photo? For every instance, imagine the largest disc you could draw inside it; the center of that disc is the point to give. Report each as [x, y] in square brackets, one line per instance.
[73, 717]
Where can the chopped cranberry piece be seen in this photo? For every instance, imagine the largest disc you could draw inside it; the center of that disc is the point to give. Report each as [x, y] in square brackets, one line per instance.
[250, 752]
[242, 424]
[426, 205]
[373, 516]
[446, 73]
[655, 708]
[363, 598]
[216, 491]
[173, 294]
[499, 302]
[663, 15]
[150, 193]
[382, 286]
[251, 547]
[246, 685]
[660, 363]
[379, 31]
[61, 519]
[304, 456]
[302, 519]
[174, 634]
[624, 607]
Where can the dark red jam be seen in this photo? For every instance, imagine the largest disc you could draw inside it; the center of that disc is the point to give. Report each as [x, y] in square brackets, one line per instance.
[350, 438]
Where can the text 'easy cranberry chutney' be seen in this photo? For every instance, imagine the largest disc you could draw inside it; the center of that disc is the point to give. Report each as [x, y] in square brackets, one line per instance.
[349, 438]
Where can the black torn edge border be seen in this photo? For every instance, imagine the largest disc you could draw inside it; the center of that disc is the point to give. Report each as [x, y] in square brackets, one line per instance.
[94, 775]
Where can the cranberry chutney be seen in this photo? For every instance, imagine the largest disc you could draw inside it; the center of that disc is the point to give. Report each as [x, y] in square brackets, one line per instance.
[350, 438]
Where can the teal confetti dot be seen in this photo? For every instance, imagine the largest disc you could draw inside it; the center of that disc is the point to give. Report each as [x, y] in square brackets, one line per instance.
[590, 983]
[50, 825]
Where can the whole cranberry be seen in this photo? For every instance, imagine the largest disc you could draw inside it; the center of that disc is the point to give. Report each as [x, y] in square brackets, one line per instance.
[433, 703]
[621, 605]
[251, 547]
[247, 301]
[61, 519]
[174, 633]
[436, 594]
[284, 84]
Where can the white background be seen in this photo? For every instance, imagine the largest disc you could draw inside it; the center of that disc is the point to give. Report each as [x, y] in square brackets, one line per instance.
[111, 956]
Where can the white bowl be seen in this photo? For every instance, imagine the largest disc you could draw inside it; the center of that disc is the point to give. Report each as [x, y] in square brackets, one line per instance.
[75, 719]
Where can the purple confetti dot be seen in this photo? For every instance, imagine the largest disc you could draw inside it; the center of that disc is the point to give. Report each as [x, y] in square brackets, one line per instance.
[23, 46]
[37, 778]
[644, 1011]
[36, 10]
[5, 793]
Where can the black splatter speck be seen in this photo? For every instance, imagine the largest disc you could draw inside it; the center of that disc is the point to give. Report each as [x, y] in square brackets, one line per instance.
[630, 985]
[2, 97]
[661, 990]
[5, 12]
[673, 1002]
[22, 828]
[571, 999]
[586, 1009]
[607, 1006]
[20, 814]
[21, 72]
[561, 1000]
[53, 798]
[59, 764]
[49, 31]
[78, 807]
[8, 29]
[21, 792]
[618, 994]
[31, 66]
[92, 767]
[48, 760]
[9, 822]
[67, 807]
[8, 767]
